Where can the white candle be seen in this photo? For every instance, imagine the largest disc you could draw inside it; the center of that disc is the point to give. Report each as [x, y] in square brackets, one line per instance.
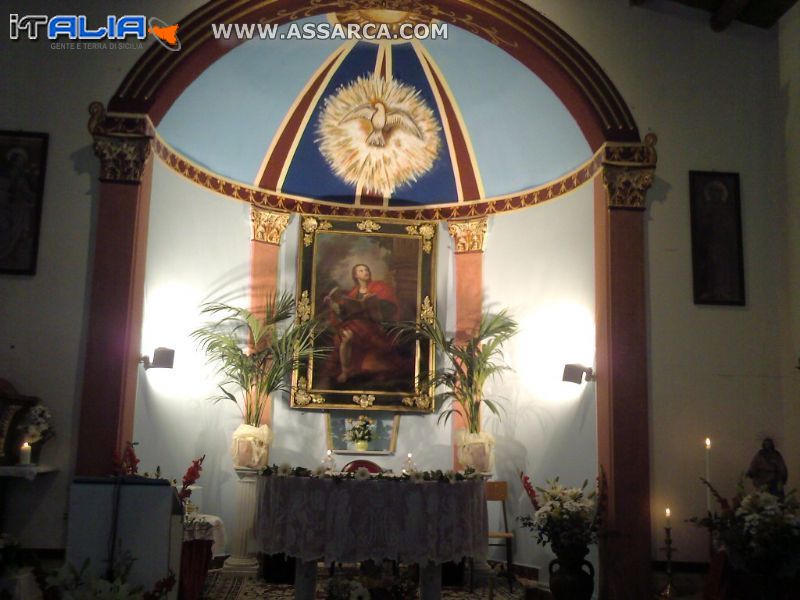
[25, 454]
[669, 522]
[708, 474]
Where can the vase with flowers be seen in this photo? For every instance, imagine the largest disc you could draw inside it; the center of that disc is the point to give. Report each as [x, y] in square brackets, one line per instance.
[360, 431]
[759, 533]
[255, 353]
[36, 429]
[566, 518]
[467, 365]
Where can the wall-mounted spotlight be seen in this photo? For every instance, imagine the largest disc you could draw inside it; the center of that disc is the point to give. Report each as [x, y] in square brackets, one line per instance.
[163, 358]
[574, 373]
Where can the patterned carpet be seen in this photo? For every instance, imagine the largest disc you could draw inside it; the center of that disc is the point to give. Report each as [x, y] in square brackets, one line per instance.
[222, 587]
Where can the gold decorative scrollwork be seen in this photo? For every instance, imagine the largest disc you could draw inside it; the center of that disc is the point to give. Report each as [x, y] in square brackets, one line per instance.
[303, 396]
[368, 225]
[427, 231]
[123, 143]
[469, 236]
[427, 313]
[627, 186]
[303, 307]
[422, 401]
[364, 400]
[267, 226]
[310, 226]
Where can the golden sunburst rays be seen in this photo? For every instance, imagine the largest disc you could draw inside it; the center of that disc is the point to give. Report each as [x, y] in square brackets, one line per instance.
[393, 19]
[378, 134]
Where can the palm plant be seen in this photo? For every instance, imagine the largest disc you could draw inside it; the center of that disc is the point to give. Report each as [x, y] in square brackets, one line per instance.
[256, 354]
[468, 364]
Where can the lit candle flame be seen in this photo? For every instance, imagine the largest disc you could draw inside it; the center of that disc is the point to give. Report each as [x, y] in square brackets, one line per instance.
[708, 443]
[409, 455]
[669, 514]
[26, 446]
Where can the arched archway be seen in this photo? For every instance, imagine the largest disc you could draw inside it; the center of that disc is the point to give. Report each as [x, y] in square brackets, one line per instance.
[624, 168]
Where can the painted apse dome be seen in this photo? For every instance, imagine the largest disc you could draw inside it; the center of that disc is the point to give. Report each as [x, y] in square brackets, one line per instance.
[394, 124]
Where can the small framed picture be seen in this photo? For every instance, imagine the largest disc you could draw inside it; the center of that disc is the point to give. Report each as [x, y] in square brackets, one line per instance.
[23, 157]
[717, 253]
[367, 433]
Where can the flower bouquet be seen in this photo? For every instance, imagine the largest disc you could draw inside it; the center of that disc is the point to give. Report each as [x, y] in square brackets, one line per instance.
[568, 519]
[360, 431]
[759, 532]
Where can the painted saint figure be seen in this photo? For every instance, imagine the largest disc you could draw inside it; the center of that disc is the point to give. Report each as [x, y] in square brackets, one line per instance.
[362, 345]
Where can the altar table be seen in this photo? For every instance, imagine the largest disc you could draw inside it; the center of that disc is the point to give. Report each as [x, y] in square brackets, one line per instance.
[351, 520]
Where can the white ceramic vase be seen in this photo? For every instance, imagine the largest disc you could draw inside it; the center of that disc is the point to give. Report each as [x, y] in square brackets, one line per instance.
[476, 450]
[250, 446]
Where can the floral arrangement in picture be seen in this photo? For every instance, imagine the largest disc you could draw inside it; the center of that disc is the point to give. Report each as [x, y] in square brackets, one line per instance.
[37, 426]
[361, 429]
[286, 470]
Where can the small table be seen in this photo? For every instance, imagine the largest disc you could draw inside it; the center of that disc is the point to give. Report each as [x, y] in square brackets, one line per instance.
[425, 522]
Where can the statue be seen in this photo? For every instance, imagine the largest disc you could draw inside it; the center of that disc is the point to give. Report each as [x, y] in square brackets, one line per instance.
[767, 469]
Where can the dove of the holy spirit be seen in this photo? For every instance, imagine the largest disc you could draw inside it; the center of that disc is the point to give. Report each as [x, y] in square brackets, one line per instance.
[382, 119]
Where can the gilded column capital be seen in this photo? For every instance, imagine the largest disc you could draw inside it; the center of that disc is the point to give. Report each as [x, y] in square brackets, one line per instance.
[123, 143]
[469, 236]
[628, 172]
[267, 226]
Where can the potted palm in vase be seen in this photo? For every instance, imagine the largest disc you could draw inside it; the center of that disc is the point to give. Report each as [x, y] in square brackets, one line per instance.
[468, 365]
[255, 354]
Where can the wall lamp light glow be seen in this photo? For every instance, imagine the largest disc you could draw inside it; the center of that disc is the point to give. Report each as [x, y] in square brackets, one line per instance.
[574, 373]
[163, 358]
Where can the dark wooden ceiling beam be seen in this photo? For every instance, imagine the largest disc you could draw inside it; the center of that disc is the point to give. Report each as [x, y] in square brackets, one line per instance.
[726, 13]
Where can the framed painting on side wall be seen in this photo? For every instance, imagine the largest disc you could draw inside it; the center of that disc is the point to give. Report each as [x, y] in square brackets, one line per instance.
[23, 157]
[717, 253]
[360, 279]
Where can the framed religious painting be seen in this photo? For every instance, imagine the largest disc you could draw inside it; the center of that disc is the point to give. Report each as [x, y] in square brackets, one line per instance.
[362, 433]
[23, 157]
[717, 255]
[361, 279]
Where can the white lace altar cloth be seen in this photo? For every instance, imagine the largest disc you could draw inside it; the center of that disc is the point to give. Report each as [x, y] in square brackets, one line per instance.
[354, 520]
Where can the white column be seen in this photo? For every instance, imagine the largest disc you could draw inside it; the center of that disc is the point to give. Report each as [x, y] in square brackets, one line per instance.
[242, 562]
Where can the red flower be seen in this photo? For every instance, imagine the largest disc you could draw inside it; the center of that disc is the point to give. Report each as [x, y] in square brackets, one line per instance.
[191, 476]
[127, 464]
[526, 483]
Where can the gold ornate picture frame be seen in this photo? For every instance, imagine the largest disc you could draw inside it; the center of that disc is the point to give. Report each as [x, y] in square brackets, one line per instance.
[384, 427]
[360, 278]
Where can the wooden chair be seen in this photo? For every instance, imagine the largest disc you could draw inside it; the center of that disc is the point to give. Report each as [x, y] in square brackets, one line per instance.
[497, 491]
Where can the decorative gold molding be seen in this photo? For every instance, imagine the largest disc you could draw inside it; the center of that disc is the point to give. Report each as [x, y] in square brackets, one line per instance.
[368, 225]
[628, 172]
[267, 226]
[469, 236]
[422, 401]
[427, 313]
[310, 226]
[424, 214]
[123, 143]
[364, 400]
[627, 186]
[303, 396]
[427, 231]
[303, 307]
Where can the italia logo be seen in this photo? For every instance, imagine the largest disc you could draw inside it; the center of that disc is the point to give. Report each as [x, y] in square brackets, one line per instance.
[76, 27]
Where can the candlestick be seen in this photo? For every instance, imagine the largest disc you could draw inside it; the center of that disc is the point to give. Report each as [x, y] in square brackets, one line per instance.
[708, 474]
[668, 591]
[408, 464]
[25, 454]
